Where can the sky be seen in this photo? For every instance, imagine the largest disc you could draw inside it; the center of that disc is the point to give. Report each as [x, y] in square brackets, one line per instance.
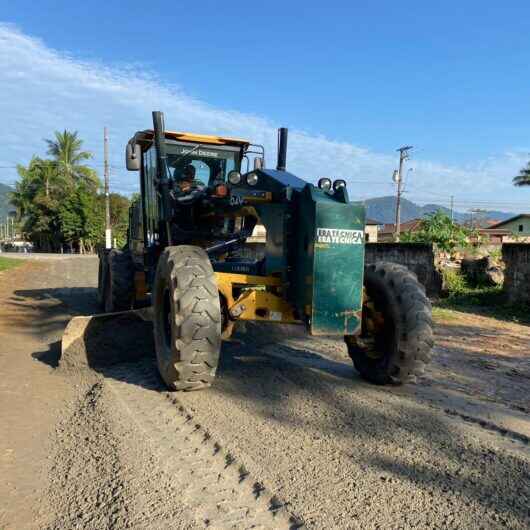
[352, 82]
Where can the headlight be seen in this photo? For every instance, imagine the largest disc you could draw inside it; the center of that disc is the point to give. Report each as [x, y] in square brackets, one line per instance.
[252, 179]
[338, 184]
[324, 184]
[234, 177]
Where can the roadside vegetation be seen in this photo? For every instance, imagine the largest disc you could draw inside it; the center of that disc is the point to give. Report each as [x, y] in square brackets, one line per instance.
[460, 295]
[481, 299]
[59, 202]
[7, 263]
[438, 228]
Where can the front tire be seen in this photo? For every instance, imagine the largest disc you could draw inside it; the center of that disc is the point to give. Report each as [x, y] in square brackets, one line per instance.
[396, 339]
[187, 318]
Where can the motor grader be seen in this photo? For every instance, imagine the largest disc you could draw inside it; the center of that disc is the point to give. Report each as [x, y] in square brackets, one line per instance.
[190, 256]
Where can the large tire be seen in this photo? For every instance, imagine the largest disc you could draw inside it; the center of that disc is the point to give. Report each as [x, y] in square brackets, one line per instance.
[119, 284]
[187, 318]
[396, 339]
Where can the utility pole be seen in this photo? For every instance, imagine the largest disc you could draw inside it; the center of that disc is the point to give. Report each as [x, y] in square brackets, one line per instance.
[403, 155]
[475, 219]
[452, 208]
[108, 236]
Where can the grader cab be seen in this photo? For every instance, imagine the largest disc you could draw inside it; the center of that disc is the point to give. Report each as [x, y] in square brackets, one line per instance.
[192, 256]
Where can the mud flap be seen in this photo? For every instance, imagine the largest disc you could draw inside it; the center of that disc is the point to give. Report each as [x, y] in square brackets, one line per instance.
[97, 341]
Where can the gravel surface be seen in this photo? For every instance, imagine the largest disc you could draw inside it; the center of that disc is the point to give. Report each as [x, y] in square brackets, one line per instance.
[288, 436]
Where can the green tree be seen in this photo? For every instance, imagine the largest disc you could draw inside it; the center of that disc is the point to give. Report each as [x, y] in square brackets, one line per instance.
[119, 216]
[437, 228]
[37, 197]
[58, 203]
[523, 179]
[66, 150]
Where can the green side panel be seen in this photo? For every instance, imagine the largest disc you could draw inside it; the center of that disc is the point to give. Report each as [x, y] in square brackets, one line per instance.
[338, 269]
[330, 263]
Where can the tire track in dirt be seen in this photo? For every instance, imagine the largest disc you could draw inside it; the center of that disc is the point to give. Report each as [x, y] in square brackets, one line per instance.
[306, 360]
[213, 483]
[283, 353]
[101, 477]
[130, 455]
[490, 426]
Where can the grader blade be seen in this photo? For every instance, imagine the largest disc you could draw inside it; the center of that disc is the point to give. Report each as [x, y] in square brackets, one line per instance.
[96, 341]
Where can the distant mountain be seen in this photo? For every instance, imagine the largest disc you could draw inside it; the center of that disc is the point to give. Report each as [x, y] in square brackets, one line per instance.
[5, 206]
[383, 209]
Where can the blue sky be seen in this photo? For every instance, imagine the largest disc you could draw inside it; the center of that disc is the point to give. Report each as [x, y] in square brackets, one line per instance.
[351, 82]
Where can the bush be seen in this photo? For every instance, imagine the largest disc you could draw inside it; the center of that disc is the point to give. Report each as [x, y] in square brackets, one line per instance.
[454, 282]
[439, 229]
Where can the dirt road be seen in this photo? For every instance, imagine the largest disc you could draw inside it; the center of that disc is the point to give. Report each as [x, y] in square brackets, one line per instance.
[288, 436]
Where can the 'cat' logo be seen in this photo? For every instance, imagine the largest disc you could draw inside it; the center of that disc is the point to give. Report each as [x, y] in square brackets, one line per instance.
[236, 200]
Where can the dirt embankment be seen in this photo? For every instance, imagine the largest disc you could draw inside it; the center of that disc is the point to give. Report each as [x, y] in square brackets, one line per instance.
[289, 435]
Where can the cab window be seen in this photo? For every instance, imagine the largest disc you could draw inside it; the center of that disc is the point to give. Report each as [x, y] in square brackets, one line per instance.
[211, 164]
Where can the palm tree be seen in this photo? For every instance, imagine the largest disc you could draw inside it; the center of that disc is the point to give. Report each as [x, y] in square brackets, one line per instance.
[67, 152]
[523, 179]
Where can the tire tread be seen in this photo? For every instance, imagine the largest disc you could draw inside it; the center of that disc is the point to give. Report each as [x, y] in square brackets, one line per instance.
[195, 350]
[413, 320]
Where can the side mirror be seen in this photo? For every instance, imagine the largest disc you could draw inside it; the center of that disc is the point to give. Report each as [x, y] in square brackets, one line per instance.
[133, 157]
[258, 163]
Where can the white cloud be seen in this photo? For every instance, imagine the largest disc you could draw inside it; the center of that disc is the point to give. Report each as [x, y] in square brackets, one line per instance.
[42, 90]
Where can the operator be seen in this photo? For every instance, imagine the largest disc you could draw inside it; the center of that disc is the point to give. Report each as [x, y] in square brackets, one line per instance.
[187, 182]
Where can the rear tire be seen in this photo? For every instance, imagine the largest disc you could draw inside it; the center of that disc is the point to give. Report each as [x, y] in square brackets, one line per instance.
[187, 318]
[396, 339]
[119, 281]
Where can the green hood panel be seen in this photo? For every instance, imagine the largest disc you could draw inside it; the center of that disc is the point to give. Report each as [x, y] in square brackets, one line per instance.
[331, 259]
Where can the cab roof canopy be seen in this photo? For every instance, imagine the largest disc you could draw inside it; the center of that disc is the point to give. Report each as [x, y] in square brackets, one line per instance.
[145, 139]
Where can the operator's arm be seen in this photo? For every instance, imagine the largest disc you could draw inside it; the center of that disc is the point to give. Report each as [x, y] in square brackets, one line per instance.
[187, 186]
[187, 191]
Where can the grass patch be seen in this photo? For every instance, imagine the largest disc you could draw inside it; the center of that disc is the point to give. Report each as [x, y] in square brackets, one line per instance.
[443, 314]
[480, 300]
[9, 263]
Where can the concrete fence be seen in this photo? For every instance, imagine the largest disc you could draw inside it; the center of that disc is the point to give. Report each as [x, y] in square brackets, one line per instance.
[417, 257]
[516, 257]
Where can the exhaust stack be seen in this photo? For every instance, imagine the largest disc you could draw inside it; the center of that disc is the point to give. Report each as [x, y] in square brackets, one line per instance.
[282, 149]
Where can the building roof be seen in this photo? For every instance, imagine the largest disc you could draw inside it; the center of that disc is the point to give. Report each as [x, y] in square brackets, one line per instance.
[494, 231]
[408, 226]
[511, 219]
[373, 222]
